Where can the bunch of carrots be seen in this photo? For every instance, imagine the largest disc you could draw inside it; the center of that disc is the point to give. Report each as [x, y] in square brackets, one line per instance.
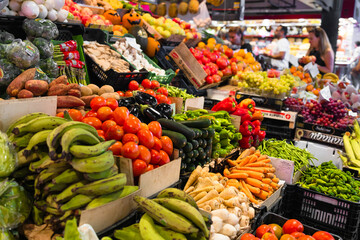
[253, 174]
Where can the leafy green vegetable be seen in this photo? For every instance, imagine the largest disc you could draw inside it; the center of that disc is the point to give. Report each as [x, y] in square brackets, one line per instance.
[23, 54]
[50, 67]
[46, 47]
[40, 28]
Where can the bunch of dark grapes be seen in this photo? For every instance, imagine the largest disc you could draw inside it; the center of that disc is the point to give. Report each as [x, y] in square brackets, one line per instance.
[294, 104]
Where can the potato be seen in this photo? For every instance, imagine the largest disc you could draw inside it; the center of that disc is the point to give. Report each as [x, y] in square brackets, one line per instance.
[86, 91]
[111, 95]
[58, 90]
[25, 94]
[94, 88]
[19, 82]
[74, 92]
[60, 80]
[105, 89]
[87, 99]
[37, 87]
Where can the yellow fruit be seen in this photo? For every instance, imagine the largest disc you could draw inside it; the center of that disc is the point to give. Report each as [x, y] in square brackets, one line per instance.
[211, 46]
[212, 40]
[166, 34]
[201, 45]
[194, 6]
[183, 8]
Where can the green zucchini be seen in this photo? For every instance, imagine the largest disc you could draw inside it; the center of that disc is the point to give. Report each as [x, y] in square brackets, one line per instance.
[178, 139]
[204, 144]
[205, 133]
[195, 144]
[182, 155]
[208, 151]
[183, 165]
[177, 127]
[188, 147]
[196, 153]
[187, 160]
[201, 141]
[190, 167]
[211, 132]
[190, 154]
[202, 155]
[198, 123]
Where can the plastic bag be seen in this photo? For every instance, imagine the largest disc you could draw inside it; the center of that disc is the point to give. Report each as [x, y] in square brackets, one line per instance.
[40, 28]
[15, 204]
[8, 72]
[23, 54]
[50, 67]
[6, 37]
[8, 156]
[45, 47]
[6, 235]
[41, 75]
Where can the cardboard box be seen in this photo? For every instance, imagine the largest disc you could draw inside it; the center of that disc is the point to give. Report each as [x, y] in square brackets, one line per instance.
[151, 30]
[11, 110]
[189, 65]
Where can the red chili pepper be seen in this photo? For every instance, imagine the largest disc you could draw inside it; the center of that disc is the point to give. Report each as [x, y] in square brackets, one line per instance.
[246, 142]
[248, 103]
[246, 128]
[244, 113]
[228, 104]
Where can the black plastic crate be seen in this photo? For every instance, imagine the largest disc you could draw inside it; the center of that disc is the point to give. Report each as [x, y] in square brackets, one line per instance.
[275, 131]
[328, 213]
[270, 217]
[181, 82]
[93, 34]
[164, 60]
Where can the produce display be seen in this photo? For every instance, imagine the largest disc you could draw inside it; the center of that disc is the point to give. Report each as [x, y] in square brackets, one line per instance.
[284, 150]
[352, 148]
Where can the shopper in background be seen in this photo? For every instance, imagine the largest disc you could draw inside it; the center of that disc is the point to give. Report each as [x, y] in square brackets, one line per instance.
[279, 58]
[320, 47]
[356, 54]
[236, 37]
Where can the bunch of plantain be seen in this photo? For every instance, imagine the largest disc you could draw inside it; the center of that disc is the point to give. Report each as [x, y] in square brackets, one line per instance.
[173, 214]
[352, 148]
[67, 167]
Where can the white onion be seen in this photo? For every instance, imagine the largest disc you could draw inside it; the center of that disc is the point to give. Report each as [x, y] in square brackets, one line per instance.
[14, 5]
[38, 2]
[30, 9]
[52, 15]
[62, 15]
[58, 4]
[43, 12]
[49, 4]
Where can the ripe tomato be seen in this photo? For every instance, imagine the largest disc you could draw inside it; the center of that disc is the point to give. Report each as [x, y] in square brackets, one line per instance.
[216, 78]
[277, 229]
[306, 237]
[104, 113]
[75, 115]
[161, 98]
[155, 156]
[322, 235]
[129, 137]
[297, 234]
[155, 128]
[112, 103]
[139, 167]
[154, 84]
[93, 121]
[144, 154]
[146, 83]
[157, 144]
[167, 145]
[149, 167]
[116, 148]
[130, 150]
[141, 89]
[128, 94]
[269, 236]
[150, 92]
[133, 85]
[262, 229]
[120, 115]
[146, 138]
[97, 102]
[101, 132]
[144, 126]
[287, 237]
[164, 158]
[91, 113]
[115, 132]
[121, 94]
[132, 124]
[60, 114]
[292, 225]
[107, 124]
[209, 79]
[247, 236]
[163, 91]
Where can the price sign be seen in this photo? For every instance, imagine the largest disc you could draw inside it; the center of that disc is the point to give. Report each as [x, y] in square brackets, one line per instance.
[312, 69]
[293, 60]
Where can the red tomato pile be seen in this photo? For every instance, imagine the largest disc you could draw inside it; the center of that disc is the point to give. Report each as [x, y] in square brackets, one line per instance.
[291, 230]
[143, 143]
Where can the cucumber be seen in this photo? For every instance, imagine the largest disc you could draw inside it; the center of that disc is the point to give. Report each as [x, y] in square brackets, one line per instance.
[187, 160]
[205, 133]
[182, 155]
[196, 153]
[195, 144]
[190, 167]
[201, 142]
[197, 132]
[211, 132]
[178, 139]
[201, 150]
[190, 154]
[202, 155]
[177, 127]
[188, 147]
[208, 151]
[199, 123]
[204, 145]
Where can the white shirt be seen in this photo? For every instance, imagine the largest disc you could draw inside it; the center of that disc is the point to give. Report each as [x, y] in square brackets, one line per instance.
[281, 45]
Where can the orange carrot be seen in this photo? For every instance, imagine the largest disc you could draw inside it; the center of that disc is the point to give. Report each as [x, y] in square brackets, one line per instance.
[237, 175]
[233, 182]
[274, 185]
[253, 190]
[247, 192]
[257, 153]
[275, 179]
[266, 187]
[254, 182]
[262, 195]
[246, 153]
[269, 175]
[257, 164]
[254, 174]
[244, 161]
[232, 163]
[263, 157]
[266, 180]
[256, 169]
[226, 172]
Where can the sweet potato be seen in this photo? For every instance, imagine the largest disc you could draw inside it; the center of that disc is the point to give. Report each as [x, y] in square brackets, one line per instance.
[60, 80]
[19, 82]
[87, 99]
[69, 102]
[74, 86]
[74, 92]
[25, 94]
[58, 90]
[37, 87]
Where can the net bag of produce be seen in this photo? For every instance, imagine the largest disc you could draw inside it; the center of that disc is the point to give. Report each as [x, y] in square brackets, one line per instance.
[6, 235]
[8, 156]
[6, 37]
[15, 204]
[40, 28]
[8, 72]
[50, 67]
[45, 47]
[23, 54]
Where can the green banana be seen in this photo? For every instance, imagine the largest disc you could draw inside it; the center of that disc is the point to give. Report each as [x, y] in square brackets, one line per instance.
[30, 177]
[196, 236]
[42, 205]
[49, 219]
[22, 141]
[38, 124]
[37, 139]
[53, 140]
[94, 164]
[178, 194]
[85, 151]
[67, 194]
[165, 217]
[104, 186]
[66, 215]
[130, 232]
[51, 187]
[37, 216]
[76, 202]
[68, 176]
[77, 135]
[62, 164]
[102, 175]
[24, 119]
[40, 164]
[21, 173]
[51, 202]
[169, 234]
[148, 230]
[185, 209]
[50, 173]
[22, 160]
[104, 199]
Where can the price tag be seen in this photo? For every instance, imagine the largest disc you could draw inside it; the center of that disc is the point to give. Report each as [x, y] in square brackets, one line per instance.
[352, 114]
[312, 69]
[132, 43]
[325, 94]
[293, 60]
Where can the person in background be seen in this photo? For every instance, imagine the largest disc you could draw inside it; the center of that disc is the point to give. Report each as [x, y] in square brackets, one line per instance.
[236, 37]
[355, 66]
[320, 47]
[356, 54]
[279, 58]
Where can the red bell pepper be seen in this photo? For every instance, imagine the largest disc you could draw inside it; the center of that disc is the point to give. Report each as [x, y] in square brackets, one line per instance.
[244, 113]
[262, 135]
[246, 128]
[257, 141]
[256, 123]
[248, 103]
[255, 131]
[246, 142]
[228, 104]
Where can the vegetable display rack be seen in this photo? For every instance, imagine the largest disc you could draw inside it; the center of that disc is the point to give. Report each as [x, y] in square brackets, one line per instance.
[327, 213]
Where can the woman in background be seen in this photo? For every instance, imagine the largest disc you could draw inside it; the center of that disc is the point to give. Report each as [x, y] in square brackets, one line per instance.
[236, 37]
